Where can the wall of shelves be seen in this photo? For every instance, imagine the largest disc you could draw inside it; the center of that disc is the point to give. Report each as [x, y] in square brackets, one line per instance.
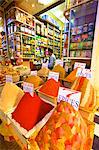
[81, 29]
[30, 36]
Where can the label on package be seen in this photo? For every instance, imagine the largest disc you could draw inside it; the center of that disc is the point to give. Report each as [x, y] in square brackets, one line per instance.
[9, 78]
[84, 73]
[53, 75]
[59, 62]
[28, 87]
[70, 96]
[79, 65]
[34, 73]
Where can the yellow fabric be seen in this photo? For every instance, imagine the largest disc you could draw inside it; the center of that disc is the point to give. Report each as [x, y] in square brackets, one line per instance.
[43, 72]
[10, 96]
[35, 80]
[61, 71]
[72, 76]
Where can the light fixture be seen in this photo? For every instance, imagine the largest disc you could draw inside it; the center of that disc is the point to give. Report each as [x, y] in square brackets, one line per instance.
[0, 18]
[45, 2]
[33, 5]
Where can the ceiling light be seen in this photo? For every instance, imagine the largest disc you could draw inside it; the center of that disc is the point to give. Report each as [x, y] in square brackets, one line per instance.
[33, 5]
[44, 2]
[0, 18]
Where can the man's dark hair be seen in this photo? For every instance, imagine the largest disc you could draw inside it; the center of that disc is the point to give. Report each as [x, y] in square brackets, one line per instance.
[50, 50]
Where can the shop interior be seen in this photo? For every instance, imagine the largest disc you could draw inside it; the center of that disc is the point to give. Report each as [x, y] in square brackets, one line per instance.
[42, 107]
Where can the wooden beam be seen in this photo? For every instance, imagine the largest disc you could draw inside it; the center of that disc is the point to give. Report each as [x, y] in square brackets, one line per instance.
[49, 7]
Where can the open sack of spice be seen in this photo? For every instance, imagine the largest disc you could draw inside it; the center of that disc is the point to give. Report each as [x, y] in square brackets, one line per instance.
[61, 71]
[43, 72]
[88, 96]
[49, 90]
[72, 76]
[9, 98]
[88, 103]
[29, 116]
[35, 80]
[65, 130]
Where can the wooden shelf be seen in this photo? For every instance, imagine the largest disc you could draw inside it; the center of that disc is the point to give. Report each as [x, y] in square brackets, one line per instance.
[46, 21]
[21, 33]
[21, 11]
[32, 25]
[27, 57]
[81, 58]
[14, 20]
[76, 5]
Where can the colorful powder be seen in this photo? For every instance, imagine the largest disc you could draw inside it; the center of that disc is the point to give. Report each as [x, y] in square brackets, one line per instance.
[51, 88]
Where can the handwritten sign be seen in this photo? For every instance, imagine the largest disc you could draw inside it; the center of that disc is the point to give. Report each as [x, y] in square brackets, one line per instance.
[34, 73]
[9, 78]
[53, 75]
[80, 65]
[84, 73]
[70, 96]
[59, 62]
[28, 87]
[45, 65]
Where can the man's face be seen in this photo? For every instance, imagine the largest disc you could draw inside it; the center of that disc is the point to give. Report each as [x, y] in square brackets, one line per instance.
[49, 53]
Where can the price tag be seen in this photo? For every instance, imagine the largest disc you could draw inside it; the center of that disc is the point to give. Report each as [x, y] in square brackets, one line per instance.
[70, 96]
[9, 78]
[53, 75]
[84, 73]
[59, 62]
[28, 87]
[80, 65]
[45, 65]
[34, 73]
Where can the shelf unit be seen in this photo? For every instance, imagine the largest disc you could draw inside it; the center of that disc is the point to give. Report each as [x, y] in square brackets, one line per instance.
[20, 32]
[52, 34]
[29, 36]
[82, 16]
[4, 42]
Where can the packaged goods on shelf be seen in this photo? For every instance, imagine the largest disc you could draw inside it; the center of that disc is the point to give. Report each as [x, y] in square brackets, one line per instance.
[82, 27]
[72, 53]
[48, 18]
[19, 15]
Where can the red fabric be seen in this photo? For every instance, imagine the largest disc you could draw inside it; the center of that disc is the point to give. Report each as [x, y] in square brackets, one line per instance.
[51, 88]
[30, 111]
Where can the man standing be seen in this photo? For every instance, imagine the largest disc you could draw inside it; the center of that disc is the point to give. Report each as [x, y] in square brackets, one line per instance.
[52, 59]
